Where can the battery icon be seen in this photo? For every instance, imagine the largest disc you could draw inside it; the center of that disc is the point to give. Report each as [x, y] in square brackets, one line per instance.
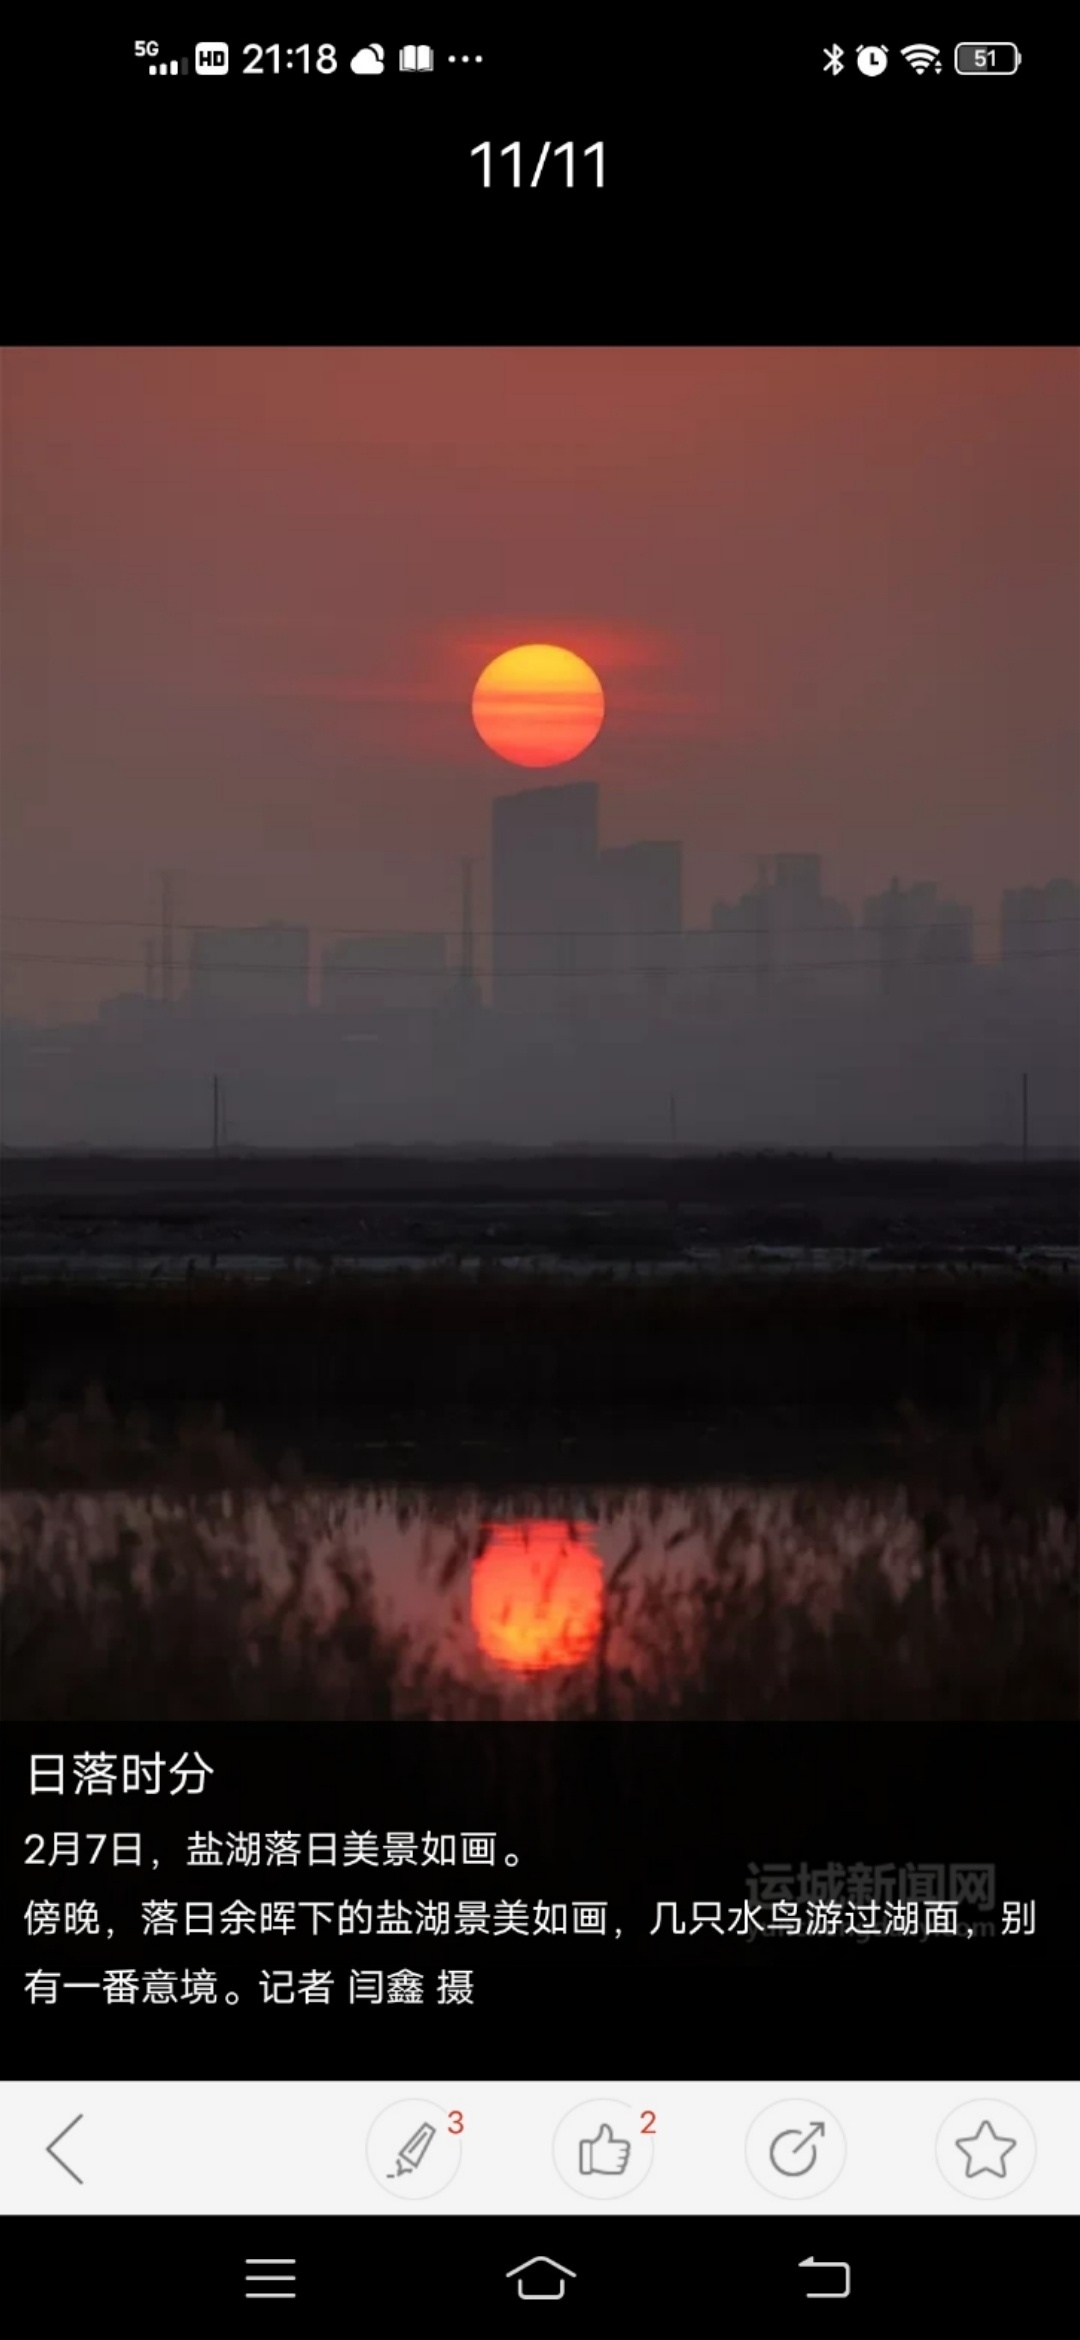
[987, 57]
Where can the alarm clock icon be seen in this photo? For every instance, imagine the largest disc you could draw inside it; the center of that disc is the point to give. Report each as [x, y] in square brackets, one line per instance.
[871, 60]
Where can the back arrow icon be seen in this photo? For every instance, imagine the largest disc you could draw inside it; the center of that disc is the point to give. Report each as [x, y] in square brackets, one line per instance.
[72, 2173]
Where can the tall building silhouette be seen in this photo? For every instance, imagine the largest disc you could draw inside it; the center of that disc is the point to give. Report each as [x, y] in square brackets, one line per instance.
[640, 889]
[910, 928]
[1040, 923]
[786, 925]
[543, 894]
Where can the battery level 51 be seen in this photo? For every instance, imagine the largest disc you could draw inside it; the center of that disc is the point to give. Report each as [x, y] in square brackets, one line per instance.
[987, 57]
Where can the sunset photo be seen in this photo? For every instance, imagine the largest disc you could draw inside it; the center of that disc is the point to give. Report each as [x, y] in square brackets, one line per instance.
[540, 1070]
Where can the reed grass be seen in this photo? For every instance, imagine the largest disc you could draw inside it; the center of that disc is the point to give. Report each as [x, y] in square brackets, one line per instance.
[887, 1603]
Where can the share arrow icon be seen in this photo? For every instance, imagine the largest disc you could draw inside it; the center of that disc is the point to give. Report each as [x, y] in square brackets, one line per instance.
[794, 2152]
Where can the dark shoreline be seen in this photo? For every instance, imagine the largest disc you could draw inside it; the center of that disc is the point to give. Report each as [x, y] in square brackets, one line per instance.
[496, 1380]
[443, 1340]
[543, 1465]
[588, 1206]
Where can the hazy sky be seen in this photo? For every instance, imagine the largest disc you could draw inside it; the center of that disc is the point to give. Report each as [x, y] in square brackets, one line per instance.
[832, 596]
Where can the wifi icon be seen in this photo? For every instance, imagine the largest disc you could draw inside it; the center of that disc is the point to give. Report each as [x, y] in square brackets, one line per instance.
[922, 56]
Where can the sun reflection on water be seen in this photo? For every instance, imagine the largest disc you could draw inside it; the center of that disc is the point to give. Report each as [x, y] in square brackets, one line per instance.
[537, 1595]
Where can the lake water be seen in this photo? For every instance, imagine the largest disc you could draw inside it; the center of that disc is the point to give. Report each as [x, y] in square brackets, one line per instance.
[594, 1600]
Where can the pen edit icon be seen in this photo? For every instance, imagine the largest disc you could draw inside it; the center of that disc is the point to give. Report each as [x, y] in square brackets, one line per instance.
[413, 2150]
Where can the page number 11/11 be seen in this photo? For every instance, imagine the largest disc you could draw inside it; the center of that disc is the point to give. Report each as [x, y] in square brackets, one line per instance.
[552, 164]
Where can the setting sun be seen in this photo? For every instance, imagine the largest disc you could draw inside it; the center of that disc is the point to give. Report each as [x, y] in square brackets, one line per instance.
[537, 1596]
[538, 705]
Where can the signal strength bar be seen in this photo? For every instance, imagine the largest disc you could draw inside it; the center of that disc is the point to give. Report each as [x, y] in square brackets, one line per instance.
[178, 65]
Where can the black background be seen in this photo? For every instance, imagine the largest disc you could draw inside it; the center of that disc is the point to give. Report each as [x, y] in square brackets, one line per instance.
[634, 1815]
[749, 195]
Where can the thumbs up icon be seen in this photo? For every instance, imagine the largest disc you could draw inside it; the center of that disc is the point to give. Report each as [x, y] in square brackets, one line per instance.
[604, 2155]
[592, 2149]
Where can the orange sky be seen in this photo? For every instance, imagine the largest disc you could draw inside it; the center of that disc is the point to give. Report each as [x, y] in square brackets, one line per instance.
[831, 595]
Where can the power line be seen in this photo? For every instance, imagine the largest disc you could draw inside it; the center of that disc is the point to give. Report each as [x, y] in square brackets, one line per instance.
[495, 933]
[867, 964]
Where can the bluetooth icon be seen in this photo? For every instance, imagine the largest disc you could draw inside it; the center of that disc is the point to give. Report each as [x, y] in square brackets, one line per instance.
[834, 59]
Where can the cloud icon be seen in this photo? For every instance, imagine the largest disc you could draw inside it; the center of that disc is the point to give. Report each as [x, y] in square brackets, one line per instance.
[369, 60]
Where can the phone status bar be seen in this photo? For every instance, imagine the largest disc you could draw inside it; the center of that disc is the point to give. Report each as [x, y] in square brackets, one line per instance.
[213, 60]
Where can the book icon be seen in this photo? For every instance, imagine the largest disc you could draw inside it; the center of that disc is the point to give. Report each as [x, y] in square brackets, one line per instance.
[417, 58]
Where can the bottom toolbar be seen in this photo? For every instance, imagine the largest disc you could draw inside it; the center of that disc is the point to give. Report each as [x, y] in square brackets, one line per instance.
[299, 2149]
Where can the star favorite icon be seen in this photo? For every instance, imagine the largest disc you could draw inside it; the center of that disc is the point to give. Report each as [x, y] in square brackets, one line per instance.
[985, 2153]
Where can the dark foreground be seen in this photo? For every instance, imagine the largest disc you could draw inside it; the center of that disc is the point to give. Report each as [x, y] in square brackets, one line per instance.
[607, 1375]
[951, 1389]
[892, 1459]
[892, 1467]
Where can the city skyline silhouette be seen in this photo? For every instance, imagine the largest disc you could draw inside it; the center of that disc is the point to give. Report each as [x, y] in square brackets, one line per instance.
[831, 597]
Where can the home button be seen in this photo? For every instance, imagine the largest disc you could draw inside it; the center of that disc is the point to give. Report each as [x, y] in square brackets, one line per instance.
[541, 2278]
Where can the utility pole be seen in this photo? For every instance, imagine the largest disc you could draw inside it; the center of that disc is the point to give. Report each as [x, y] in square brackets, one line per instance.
[674, 1119]
[151, 968]
[217, 1113]
[467, 998]
[1024, 1111]
[763, 950]
[166, 936]
[468, 948]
